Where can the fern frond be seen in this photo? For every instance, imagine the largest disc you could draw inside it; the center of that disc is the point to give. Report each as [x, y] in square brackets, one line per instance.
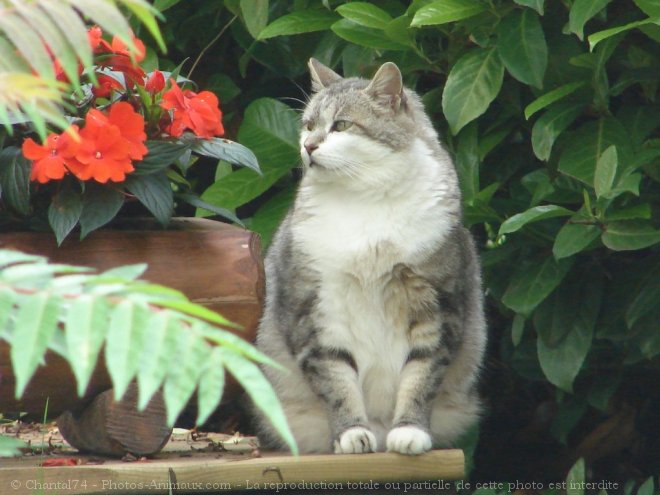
[32, 32]
[156, 336]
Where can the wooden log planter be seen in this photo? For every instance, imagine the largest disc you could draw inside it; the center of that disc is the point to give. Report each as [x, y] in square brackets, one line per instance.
[214, 264]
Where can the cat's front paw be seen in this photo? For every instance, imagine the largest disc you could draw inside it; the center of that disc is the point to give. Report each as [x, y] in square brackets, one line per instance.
[356, 440]
[409, 440]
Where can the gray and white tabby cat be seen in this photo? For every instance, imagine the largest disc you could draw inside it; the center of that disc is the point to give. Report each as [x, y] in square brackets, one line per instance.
[373, 289]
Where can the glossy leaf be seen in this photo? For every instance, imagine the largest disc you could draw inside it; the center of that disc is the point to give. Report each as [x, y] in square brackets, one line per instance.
[586, 145]
[532, 4]
[552, 96]
[155, 192]
[473, 83]
[365, 36]
[581, 12]
[211, 385]
[444, 11]
[606, 167]
[596, 38]
[365, 14]
[572, 238]
[300, 21]
[630, 235]
[224, 149]
[255, 15]
[15, 180]
[161, 155]
[535, 214]
[550, 125]
[522, 47]
[531, 283]
[64, 212]
[100, 204]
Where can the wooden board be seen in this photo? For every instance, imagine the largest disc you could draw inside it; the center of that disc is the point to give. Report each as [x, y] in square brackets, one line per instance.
[311, 474]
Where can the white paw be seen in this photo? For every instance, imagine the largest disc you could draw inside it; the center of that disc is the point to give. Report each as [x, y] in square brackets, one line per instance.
[408, 440]
[356, 440]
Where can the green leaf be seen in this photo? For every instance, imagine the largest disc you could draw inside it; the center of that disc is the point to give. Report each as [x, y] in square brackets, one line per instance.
[163, 5]
[7, 297]
[269, 216]
[155, 192]
[532, 4]
[365, 14]
[365, 36]
[522, 47]
[254, 15]
[646, 300]
[192, 309]
[158, 350]
[64, 212]
[517, 329]
[575, 479]
[224, 149]
[550, 125]
[605, 171]
[581, 12]
[473, 83]
[301, 21]
[100, 204]
[36, 322]
[532, 282]
[270, 129]
[128, 322]
[552, 96]
[200, 204]
[211, 385]
[181, 380]
[630, 235]
[565, 324]
[399, 30]
[467, 162]
[516, 222]
[86, 324]
[261, 393]
[647, 487]
[15, 179]
[586, 145]
[573, 238]
[596, 38]
[642, 211]
[161, 155]
[444, 11]
[650, 7]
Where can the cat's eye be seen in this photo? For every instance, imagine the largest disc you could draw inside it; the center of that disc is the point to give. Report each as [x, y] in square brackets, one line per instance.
[341, 125]
[309, 125]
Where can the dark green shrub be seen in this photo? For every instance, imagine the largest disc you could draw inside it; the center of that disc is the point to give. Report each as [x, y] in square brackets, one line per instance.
[550, 109]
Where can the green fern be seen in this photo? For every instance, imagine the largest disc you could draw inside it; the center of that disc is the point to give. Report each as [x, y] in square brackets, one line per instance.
[149, 333]
[32, 30]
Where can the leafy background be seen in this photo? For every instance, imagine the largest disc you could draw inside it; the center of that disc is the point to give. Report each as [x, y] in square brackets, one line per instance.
[551, 112]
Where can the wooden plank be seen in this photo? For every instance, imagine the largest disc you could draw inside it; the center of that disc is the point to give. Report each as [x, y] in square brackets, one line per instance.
[313, 473]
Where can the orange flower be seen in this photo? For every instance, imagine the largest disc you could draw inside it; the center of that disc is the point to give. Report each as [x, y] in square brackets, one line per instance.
[131, 126]
[120, 57]
[106, 85]
[198, 112]
[49, 161]
[103, 152]
[109, 144]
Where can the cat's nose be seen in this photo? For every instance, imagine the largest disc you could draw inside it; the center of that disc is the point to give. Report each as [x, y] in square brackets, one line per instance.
[310, 147]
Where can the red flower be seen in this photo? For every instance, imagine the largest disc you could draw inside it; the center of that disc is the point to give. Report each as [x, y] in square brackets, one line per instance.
[120, 57]
[155, 83]
[106, 85]
[131, 126]
[49, 161]
[98, 44]
[198, 112]
[109, 144]
[103, 152]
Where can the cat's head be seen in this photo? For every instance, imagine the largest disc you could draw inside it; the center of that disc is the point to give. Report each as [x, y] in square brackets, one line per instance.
[351, 125]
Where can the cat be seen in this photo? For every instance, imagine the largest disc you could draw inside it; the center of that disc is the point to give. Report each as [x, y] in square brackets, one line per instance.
[373, 289]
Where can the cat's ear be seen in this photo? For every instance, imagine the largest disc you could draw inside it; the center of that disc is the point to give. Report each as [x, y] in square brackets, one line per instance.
[322, 76]
[387, 86]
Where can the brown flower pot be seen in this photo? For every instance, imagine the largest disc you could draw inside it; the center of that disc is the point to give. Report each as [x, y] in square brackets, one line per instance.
[214, 264]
